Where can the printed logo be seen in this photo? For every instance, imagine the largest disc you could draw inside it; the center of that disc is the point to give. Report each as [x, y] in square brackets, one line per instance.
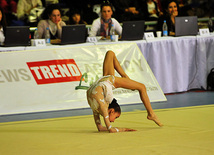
[55, 71]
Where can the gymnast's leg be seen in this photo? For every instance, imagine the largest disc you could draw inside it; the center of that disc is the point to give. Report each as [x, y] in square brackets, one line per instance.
[134, 85]
[111, 64]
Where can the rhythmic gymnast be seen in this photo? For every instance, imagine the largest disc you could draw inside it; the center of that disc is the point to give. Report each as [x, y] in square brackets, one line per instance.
[100, 95]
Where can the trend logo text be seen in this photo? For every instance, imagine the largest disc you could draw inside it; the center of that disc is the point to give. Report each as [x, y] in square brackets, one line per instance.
[54, 71]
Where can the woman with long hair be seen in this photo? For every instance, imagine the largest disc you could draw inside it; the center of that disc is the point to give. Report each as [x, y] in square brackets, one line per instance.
[171, 9]
[51, 19]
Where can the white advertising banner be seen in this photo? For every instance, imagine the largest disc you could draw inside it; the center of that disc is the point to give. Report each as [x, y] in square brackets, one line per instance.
[57, 79]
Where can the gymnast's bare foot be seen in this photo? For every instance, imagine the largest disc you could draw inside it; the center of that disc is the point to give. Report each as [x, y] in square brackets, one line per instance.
[154, 118]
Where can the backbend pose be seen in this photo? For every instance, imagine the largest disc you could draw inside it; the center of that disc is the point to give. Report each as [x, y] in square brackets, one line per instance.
[100, 95]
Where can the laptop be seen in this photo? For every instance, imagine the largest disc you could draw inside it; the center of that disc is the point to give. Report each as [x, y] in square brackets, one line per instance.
[17, 36]
[133, 30]
[186, 26]
[72, 34]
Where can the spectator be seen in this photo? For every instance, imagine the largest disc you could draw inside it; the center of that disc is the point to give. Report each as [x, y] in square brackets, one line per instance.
[210, 8]
[195, 10]
[49, 2]
[2, 25]
[159, 4]
[171, 8]
[127, 10]
[9, 8]
[24, 8]
[75, 17]
[85, 7]
[102, 25]
[51, 19]
[150, 9]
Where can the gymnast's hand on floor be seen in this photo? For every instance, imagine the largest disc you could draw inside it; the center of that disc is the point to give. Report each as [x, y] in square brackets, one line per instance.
[127, 129]
[113, 130]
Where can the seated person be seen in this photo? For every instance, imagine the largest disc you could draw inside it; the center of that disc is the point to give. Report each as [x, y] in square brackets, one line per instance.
[128, 10]
[51, 19]
[151, 10]
[2, 26]
[159, 4]
[76, 18]
[25, 6]
[196, 10]
[101, 26]
[9, 8]
[170, 12]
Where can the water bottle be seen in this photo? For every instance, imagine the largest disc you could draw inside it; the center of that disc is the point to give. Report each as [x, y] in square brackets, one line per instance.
[165, 29]
[210, 24]
[112, 33]
[47, 36]
[36, 34]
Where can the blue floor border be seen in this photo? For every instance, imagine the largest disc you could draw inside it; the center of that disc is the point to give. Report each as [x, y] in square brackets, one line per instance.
[177, 100]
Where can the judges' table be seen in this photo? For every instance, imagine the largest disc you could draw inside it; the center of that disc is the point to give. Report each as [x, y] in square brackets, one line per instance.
[178, 63]
[205, 57]
[172, 61]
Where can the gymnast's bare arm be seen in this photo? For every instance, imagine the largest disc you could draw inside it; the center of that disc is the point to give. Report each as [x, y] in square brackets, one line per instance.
[105, 113]
[98, 122]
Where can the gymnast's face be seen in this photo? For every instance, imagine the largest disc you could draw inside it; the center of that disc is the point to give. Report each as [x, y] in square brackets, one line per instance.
[113, 115]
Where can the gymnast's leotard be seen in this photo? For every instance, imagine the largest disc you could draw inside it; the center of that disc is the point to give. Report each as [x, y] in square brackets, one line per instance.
[101, 92]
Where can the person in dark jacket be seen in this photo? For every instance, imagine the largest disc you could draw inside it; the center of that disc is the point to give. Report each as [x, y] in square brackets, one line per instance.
[171, 9]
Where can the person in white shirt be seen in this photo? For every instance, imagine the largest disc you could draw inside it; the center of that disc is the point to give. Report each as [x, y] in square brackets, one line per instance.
[102, 25]
[152, 9]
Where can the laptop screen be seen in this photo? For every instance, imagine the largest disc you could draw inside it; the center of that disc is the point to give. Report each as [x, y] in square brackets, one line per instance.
[133, 30]
[186, 26]
[72, 34]
[17, 36]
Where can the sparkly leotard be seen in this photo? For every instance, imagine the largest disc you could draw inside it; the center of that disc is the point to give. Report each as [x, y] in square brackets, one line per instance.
[101, 92]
